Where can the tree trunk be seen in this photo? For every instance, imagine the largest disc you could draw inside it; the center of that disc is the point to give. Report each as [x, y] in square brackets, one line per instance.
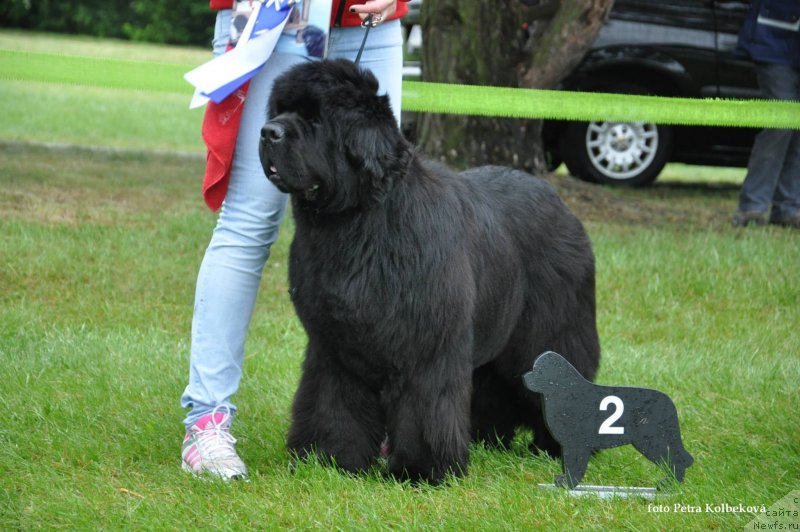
[494, 43]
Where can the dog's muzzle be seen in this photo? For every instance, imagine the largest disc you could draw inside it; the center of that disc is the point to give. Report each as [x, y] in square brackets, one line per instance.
[272, 134]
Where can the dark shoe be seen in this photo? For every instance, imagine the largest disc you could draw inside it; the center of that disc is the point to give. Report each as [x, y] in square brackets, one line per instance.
[792, 220]
[745, 218]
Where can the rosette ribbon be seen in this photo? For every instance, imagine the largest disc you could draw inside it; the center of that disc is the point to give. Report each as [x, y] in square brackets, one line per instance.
[219, 78]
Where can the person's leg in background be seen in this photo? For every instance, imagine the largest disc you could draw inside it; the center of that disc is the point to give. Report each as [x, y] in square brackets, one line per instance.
[786, 200]
[772, 172]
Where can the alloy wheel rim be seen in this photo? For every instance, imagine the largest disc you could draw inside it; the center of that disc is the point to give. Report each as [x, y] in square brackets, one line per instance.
[621, 150]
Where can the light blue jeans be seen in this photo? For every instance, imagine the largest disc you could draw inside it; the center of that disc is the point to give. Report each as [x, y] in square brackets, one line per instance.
[229, 275]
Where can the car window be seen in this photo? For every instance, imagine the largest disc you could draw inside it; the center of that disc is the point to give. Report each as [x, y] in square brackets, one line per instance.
[730, 16]
[691, 14]
[737, 77]
[653, 22]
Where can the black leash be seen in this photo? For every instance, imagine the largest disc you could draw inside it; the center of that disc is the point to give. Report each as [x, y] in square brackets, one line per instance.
[367, 23]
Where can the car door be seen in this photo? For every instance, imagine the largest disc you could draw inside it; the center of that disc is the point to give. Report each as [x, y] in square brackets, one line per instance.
[737, 78]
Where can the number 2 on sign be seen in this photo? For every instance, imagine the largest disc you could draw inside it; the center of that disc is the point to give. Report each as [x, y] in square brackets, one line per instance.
[608, 425]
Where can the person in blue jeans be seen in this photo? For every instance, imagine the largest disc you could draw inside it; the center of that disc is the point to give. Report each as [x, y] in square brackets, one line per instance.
[248, 223]
[770, 36]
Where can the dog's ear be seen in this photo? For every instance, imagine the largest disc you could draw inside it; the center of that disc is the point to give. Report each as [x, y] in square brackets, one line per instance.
[368, 148]
[376, 151]
[344, 71]
[370, 81]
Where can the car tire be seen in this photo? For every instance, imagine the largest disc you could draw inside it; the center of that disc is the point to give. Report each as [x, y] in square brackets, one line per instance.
[617, 153]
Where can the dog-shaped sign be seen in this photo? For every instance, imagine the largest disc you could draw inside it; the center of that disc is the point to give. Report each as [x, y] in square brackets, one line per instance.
[584, 417]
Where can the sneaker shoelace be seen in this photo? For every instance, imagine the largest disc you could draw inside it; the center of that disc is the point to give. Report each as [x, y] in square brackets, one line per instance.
[215, 441]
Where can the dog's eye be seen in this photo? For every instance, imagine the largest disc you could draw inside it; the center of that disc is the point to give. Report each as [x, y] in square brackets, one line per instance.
[314, 122]
[309, 112]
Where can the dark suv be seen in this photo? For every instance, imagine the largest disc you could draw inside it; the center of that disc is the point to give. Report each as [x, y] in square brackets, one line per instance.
[669, 48]
[661, 47]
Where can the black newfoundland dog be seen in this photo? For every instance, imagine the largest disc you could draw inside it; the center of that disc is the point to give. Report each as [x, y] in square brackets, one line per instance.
[425, 294]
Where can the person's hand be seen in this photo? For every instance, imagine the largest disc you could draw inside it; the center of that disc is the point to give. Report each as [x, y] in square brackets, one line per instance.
[379, 9]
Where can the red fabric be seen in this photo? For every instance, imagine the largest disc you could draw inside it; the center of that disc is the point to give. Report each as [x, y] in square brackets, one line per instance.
[220, 127]
[221, 4]
[221, 121]
[348, 19]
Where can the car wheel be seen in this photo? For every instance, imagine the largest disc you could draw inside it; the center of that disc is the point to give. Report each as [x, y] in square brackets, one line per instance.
[617, 153]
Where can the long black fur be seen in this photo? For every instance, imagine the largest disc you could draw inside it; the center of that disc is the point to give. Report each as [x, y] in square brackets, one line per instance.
[425, 294]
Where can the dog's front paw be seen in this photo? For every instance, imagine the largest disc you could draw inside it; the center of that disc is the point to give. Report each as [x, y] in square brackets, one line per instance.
[349, 460]
[424, 470]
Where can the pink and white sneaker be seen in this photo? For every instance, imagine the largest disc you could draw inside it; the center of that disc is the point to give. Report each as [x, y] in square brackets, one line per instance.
[208, 447]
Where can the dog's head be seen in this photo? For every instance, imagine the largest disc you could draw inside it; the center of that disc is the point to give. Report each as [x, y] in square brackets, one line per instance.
[331, 140]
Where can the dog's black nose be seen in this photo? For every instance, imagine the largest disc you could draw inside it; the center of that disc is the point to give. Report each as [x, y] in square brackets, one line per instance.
[272, 132]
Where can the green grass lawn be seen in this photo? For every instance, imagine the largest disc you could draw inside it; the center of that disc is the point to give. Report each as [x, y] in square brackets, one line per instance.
[90, 92]
[98, 257]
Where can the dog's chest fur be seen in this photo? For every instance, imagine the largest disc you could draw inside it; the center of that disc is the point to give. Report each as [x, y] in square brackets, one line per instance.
[352, 284]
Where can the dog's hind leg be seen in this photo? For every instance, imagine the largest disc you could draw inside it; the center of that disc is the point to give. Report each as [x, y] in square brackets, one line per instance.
[543, 441]
[335, 416]
[576, 340]
[525, 406]
[495, 408]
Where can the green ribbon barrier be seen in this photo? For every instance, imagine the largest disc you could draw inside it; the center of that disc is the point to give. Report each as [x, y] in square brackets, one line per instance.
[584, 106]
[431, 97]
